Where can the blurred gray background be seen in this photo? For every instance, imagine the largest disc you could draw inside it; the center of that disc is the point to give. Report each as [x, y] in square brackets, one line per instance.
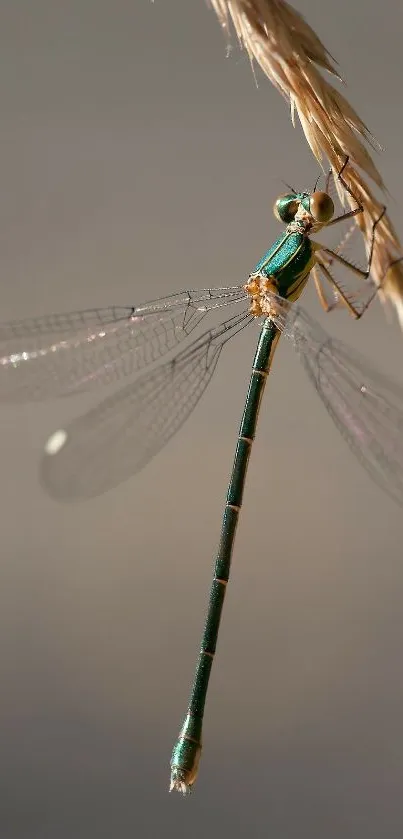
[137, 160]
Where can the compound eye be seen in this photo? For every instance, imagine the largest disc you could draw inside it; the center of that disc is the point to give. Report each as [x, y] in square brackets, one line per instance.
[285, 207]
[321, 207]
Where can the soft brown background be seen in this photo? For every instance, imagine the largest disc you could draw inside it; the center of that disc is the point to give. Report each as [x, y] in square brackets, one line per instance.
[135, 160]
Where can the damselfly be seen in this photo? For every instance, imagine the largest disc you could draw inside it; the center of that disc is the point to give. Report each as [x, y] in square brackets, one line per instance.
[67, 353]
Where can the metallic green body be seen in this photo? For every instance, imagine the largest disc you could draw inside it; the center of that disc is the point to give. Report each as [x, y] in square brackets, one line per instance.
[186, 752]
[68, 352]
[287, 263]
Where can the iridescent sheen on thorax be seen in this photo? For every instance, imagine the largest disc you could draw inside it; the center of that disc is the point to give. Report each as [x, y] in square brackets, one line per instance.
[288, 263]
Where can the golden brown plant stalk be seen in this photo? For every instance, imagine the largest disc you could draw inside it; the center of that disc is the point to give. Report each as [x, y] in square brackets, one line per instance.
[291, 55]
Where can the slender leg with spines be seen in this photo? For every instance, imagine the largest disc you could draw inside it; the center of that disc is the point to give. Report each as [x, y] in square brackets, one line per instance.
[350, 213]
[187, 749]
[327, 307]
[364, 274]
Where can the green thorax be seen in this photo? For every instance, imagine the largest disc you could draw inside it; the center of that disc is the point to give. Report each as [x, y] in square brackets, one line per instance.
[288, 262]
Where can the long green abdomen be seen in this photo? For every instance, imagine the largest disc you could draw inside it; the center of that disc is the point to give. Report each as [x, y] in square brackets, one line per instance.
[187, 749]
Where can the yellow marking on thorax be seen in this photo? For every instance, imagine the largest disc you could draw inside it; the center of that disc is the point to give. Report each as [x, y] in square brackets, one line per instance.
[257, 286]
[301, 280]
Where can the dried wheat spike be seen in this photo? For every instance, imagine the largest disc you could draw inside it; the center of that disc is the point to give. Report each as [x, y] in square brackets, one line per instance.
[291, 55]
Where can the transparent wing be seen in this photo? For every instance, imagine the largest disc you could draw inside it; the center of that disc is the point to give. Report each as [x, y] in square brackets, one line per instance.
[366, 406]
[61, 354]
[117, 438]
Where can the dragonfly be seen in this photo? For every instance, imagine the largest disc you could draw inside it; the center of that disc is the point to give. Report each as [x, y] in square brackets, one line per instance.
[63, 354]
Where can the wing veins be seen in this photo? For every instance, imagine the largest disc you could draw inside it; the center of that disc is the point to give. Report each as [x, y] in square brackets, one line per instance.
[118, 437]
